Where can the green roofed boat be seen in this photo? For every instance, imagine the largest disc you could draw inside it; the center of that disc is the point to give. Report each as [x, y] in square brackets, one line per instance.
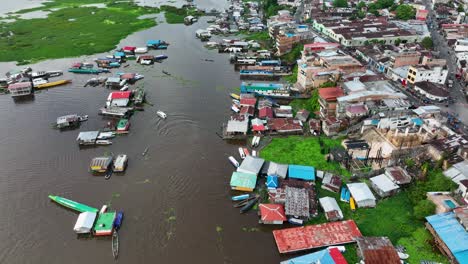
[87, 70]
[72, 204]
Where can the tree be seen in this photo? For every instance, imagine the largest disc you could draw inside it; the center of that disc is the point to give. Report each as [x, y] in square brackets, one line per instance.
[405, 12]
[397, 42]
[328, 84]
[423, 209]
[460, 9]
[361, 5]
[427, 43]
[340, 3]
[361, 14]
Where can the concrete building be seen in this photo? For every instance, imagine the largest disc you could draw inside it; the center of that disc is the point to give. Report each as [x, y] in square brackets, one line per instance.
[421, 73]
[433, 91]
[328, 100]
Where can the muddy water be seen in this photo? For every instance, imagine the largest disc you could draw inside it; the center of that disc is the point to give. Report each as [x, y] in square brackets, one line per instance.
[176, 198]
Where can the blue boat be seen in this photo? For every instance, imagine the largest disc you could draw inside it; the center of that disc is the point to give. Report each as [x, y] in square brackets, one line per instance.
[240, 197]
[118, 220]
[114, 64]
[161, 47]
[157, 44]
[345, 194]
[160, 57]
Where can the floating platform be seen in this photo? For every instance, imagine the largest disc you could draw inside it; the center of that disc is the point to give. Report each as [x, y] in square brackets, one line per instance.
[104, 224]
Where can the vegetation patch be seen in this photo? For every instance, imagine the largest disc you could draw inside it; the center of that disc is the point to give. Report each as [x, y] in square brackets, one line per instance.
[311, 104]
[176, 15]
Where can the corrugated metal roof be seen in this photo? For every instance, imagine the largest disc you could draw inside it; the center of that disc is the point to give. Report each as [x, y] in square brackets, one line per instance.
[384, 183]
[302, 172]
[251, 165]
[314, 236]
[360, 191]
[452, 234]
[243, 180]
[272, 212]
[322, 257]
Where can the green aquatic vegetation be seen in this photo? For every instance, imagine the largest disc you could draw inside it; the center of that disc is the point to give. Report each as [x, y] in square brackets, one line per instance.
[219, 229]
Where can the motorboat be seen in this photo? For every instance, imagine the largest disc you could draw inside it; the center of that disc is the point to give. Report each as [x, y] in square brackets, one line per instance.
[120, 163]
[103, 142]
[115, 244]
[241, 153]
[105, 135]
[235, 109]
[233, 161]
[161, 114]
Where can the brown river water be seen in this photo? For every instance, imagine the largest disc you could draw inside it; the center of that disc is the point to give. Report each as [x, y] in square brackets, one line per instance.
[175, 199]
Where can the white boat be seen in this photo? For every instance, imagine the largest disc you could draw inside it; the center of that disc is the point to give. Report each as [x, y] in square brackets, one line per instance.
[403, 255]
[125, 88]
[234, 161]
[141, 50]
[39, 81]
[120, 163]
[241, 153]
[254, 139]
[235, 109]
[296, 221]
[161, 114]
[138, 77]
[254, 153]
[103, 142]
[105, 135]
[83, 118]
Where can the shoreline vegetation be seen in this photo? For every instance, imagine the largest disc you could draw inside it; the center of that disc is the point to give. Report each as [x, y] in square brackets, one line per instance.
[396, 217]
[77, 27]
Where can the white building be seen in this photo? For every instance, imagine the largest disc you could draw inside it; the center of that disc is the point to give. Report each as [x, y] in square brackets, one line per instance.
[433, 91]
[383, 186]
[421, 73]
[331, 209]
[461, 45]
[362, 194]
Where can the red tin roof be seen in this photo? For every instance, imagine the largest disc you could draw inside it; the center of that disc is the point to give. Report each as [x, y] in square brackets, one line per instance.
[131, 48]
[330, 93]
[315, 236]
[272, 212]
[120, 95]
[248, 101]
[337, 256]
[265, 112]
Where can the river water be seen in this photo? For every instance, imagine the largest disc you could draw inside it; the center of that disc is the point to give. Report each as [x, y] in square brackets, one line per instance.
[176, 198]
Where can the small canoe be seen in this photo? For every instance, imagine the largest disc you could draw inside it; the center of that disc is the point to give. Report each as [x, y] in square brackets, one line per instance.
[72, 204]
[103, 142]
[118, 220]
[233, 161]
[241, 153]
[295, 221]
[257, 141]
[235, 96]
[236, 102]
[352, 204]
[235, 109]
[115, 244]
[254, 139]
[240, 197]
[52, 84]
[160, 57]
[167, 73]
[249, 205]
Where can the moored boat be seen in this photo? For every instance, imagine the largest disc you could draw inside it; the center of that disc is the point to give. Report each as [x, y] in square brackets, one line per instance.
[103, 142]
[249, 205]
[241, 153]
[72, 204]
[295, 221]
[52, 84]
[120, 163]
[233, 161]
[118, 220]
[234, 96]
[160, 57]
[240, 197]
[161, 114]
[123, 126]
[246, 152]
[352, 204]
[235, 109]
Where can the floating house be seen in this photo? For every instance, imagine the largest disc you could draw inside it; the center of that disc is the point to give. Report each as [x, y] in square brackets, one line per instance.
[306, 173]
[383, 186]
[85, 222]
[331, 209]
[129, 50]
[251, 165]
[362, 194]
[68, 121]
[114, 111]
[122, 126]
[237, 125]
[118, 99]
[20, 89]
[377, 250]
[87, 138]
[272, 214]
[242, 181]
[324, 256]
[105, 224]
[101, 164]
[265, 89]
[113, 83]
[145, 59]
[316, 236]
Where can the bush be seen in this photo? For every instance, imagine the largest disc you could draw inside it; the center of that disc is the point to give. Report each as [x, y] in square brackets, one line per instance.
[423, 209]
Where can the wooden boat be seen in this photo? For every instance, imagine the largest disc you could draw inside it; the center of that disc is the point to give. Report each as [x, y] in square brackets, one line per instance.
[235, 96]
[236, 102]
[249, 205]
[241, 153]
[167, 73]
[235, 109]
[108, 174]
[115, 244]
[246, 152]
[103, 142]
[161, 114]
[52, 84]
[72, 204]
[295, 221]
[352, 204]
[240, 197]
[160, 57]
[87, 71]
[145, 151]
[244, 202]
[118, 220]
[233, 161]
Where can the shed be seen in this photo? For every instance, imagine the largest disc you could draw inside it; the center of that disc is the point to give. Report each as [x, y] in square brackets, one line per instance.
[331, 208]
[277, 169]
[297, 202]
[272, 214]
[398, 175]
[257, 124]
[84, 223]
[87, 138]
[361, 194]
[377, 250]
[324, 256]
[302, 115]
[100, 164]
[243, 181]
[331, 182]
[383, 186]
[251, 165]
[272, 182]
[301, 172]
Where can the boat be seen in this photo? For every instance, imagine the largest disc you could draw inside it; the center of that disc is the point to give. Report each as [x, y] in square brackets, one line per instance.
[120, 163]
[257, 141]
[115, 244]
[103, 142]
[167, 73]
[123, 126]
[236, 102]
[344, 196]
[125, 88]
[235, 109]
[249, 205]
[105, 135]
[240, 197]
[100, 164]
[241, 153]
[52, 84]
[118, 220]
[83, 118]
[54, 73]
[38, 81]
[254, 153]
[352, 204]
[244, 202]
[108, 174]
[141, 50]
[87, 70]
[160, 57]
[254, 139]
[402, 255]
[70, 121]
[72, 204]
[145, 151]
[234, 96]
[246, 152]
[161, 114]
[233, 161]
[295, 221]
[20, 89]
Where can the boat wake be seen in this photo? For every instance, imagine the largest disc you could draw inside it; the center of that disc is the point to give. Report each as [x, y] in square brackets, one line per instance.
[175, 125]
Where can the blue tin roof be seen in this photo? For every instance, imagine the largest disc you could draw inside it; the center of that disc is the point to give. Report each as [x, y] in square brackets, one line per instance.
[375, 122]
[452, 233]
[119, 54]
[301, 172]
[153, 42]
[323, 256]
[417, 121]
[272, 182]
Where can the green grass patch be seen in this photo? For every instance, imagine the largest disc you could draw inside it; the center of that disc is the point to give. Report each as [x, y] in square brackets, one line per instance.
[302, 151]
[294, 54]
[293, 77]
[176, 15]
[70, 32]
[420, 247]
[311, 104]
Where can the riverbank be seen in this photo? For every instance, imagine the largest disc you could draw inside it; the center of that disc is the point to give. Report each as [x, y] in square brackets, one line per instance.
[395, 217]
[74, 28]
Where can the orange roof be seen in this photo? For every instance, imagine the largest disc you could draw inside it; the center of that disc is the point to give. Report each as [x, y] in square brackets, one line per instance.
[272, 212]
[330, 93]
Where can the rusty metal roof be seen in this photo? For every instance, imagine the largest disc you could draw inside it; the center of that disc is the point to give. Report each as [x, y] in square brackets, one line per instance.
[377, 250]
[315, 236]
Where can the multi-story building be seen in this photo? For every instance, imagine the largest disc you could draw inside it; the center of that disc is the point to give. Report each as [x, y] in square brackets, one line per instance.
[288, 37]
[420, 73]
[328, 100]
